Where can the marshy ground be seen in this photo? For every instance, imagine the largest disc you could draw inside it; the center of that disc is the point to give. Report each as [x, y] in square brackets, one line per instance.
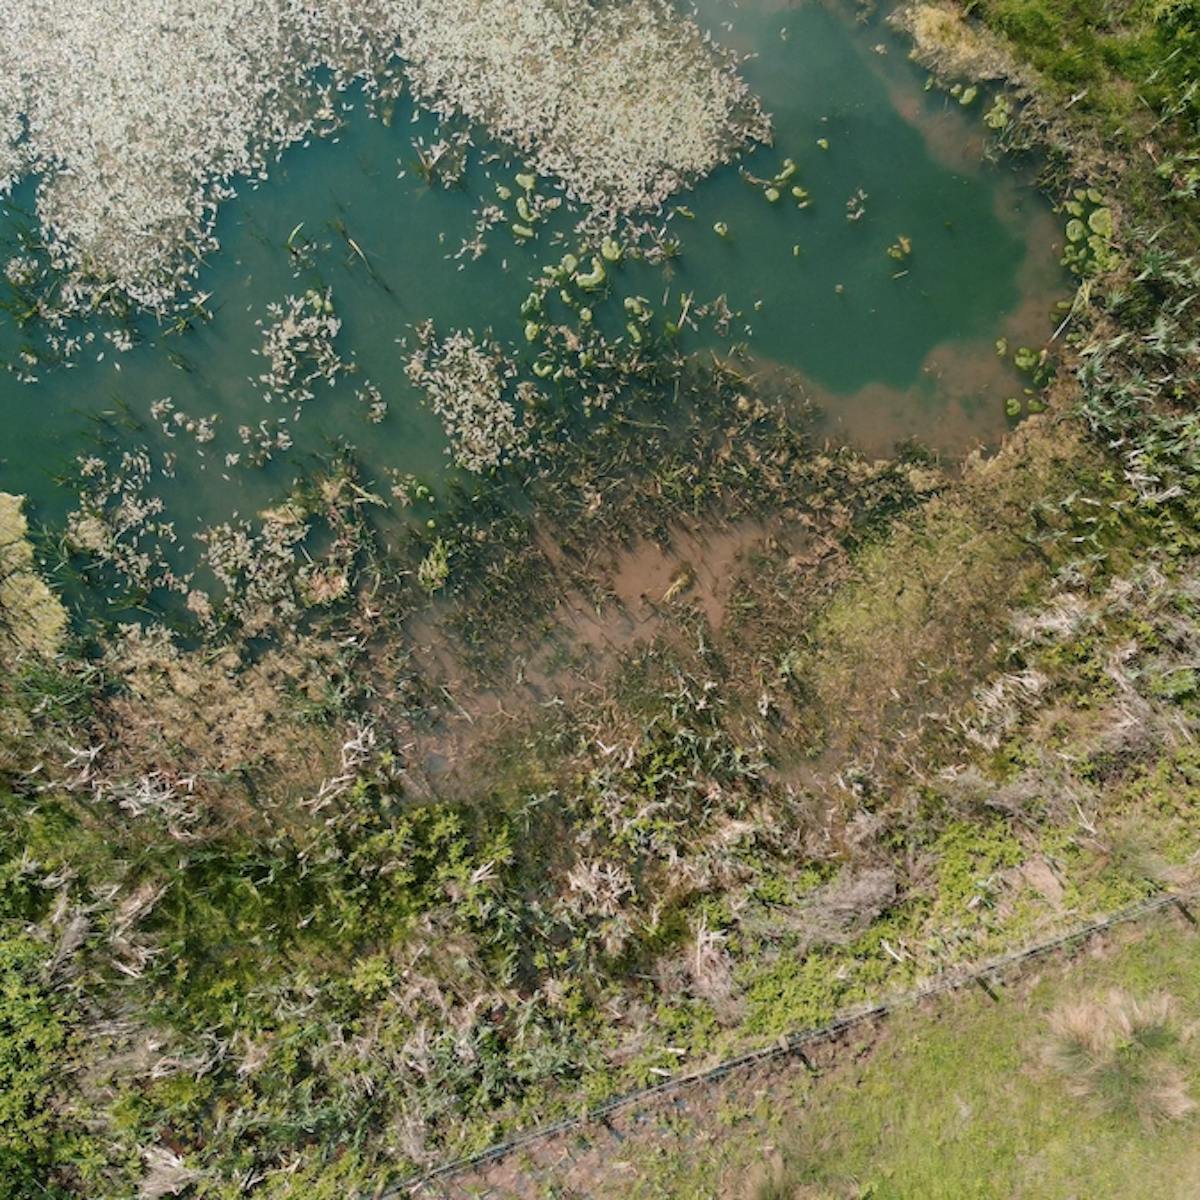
[408, 806]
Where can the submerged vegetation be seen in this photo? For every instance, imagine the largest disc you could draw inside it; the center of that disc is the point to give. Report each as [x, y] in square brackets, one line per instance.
[360, 841]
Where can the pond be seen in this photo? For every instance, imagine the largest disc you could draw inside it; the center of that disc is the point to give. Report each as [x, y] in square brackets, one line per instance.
[880, 288]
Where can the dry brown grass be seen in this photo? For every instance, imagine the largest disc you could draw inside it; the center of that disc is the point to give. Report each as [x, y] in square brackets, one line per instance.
[1114, 1050]
[32, 625]
[953, 47]
[911, 631]
[31, 618]
[219, 730]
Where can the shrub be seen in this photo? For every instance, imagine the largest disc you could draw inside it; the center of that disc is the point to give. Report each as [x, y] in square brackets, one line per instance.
[33, 1048]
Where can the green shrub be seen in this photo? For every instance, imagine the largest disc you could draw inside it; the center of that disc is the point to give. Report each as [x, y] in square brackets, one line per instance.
[33, 1051]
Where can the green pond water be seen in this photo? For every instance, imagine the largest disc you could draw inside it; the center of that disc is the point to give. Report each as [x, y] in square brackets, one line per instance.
[886, 358]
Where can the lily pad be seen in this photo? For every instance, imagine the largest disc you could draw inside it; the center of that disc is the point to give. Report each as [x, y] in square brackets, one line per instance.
[593, 278]
[997, 116]
[1101, 222]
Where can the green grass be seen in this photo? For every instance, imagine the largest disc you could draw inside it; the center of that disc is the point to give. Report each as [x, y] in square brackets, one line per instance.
[33, 1053]
[1131, 75]
[1134, 59]
[962, 1102]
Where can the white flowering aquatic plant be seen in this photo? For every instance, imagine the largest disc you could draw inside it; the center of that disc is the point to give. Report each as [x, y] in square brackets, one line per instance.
[624, 102]
[298, 346]
[466, 382]
[136, 115]
[121, 526]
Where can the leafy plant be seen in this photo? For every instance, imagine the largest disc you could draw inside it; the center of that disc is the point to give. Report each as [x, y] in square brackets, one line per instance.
[33, 1054]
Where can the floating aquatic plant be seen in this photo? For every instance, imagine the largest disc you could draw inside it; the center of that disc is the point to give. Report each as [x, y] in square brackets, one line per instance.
[1100, 222]
[998, 116]
[466, 382]
[772, 188]
[856, 206]
[136, 124]
[590, 280]
[1090, 230]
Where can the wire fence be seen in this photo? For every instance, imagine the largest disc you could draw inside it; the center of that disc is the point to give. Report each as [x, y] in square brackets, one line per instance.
[792, 1044]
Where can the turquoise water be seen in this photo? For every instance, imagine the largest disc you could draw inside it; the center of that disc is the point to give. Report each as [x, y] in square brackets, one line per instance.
[886, 357]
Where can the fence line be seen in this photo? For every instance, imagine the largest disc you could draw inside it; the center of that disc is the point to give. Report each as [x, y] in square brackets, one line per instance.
[791, 1044]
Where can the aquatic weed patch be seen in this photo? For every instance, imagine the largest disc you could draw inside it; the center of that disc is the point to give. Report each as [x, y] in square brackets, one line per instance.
[137, 125]
[466, 382]
[625, 103]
